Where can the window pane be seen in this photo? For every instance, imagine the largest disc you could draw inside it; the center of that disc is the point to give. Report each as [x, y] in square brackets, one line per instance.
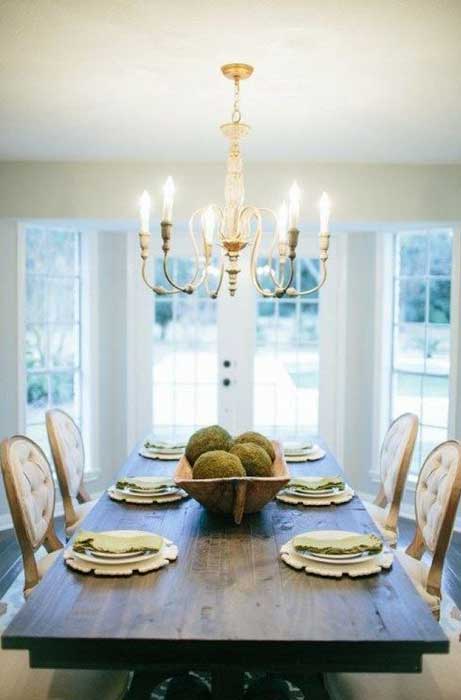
[439, 301]
[64, 346]
[435, 401]
[37, 256]
[440, 245]
[409, 347]
[286, 365]
[438, 349]
[64, 392]
[430, 438]
[63, 253]
[308, 272]
[37, 397]
[407, 389]
[36, 308]
[184, 357]
[411, 295]
[52, 334]
[36, 347]
[63, 298]
[421, 359]
[412, 254]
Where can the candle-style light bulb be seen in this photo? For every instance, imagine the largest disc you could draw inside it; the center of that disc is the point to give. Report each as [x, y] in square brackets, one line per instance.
[282, 223]
[168, 199]
[144, 211]
[293, 215]
[209, 221]
[325, 210]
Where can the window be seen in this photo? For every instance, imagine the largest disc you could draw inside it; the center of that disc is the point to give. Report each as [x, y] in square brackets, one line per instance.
[53, 327]
[421, 334]
[185, 383]
[286, 392]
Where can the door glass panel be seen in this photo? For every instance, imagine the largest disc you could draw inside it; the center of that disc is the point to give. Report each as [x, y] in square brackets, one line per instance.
[286, 367]
[185, 384]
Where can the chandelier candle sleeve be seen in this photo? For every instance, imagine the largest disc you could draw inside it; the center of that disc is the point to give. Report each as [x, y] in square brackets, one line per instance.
[168, 199]
[235, 225]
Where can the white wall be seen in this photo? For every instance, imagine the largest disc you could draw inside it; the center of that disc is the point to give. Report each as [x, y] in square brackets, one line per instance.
[110, 191]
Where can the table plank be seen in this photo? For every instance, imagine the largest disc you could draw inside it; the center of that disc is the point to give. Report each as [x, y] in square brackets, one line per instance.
[228, 597]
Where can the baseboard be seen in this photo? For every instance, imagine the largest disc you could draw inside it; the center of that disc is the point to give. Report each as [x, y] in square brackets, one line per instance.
[407, 510]
[6, 522]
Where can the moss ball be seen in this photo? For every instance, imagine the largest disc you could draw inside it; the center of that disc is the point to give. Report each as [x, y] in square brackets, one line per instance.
[257, 439]
[217, 464]
[254, 458]
[205, 440]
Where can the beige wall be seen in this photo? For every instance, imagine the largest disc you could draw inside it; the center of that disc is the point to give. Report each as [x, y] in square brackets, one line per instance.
[110, 191]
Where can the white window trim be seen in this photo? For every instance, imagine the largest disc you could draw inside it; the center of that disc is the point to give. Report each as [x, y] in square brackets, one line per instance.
[89, 339]
[384, 291]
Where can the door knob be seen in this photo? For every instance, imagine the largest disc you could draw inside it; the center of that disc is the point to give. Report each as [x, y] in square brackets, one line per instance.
[226, 381]
[226, 363]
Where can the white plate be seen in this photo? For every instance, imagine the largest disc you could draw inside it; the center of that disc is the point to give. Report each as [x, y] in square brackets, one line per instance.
[336, 558]
[127, 558]
[117, 558]
[145, 492]
[314, 494]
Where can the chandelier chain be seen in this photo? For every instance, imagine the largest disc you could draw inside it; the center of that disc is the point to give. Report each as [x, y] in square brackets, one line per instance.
[236, 115]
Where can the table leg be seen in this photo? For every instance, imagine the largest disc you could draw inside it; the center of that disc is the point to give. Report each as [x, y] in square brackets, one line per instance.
[311, 685]
[143, 683]
[227, 684]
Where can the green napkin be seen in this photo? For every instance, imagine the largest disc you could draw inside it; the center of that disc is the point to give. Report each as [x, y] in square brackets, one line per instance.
[320, 484]
[349, 544]
[164, 446]
[116, 544]
[145, 483]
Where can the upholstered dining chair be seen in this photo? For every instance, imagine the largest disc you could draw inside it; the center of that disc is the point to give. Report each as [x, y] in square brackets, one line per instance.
[30, 492]
[438, 492]
[68, 453]
[395, 459]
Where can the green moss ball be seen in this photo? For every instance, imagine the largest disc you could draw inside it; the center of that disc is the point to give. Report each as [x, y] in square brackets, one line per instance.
[206, 439]
[257, 439]
[254, 458]
[217, 464]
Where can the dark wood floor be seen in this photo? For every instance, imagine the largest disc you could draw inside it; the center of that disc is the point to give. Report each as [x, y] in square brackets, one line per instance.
[10, 560]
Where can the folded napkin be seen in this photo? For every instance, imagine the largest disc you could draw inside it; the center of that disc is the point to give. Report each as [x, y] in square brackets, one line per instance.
[164, 446]
[320, 484]
[349, 544]
[292, 447]
[116, 544]
[145, 483]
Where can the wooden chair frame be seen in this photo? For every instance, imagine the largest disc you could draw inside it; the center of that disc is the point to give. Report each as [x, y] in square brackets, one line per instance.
[418, 546]
[50, 540]
[82, 495]
[402, 473]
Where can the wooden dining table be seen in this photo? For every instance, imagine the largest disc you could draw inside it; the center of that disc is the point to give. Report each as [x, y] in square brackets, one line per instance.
[228, 604]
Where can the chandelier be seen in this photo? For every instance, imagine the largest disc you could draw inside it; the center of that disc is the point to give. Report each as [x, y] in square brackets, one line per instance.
[235, 226]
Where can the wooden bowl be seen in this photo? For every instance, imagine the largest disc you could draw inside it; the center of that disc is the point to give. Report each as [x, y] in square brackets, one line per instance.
[236, 495]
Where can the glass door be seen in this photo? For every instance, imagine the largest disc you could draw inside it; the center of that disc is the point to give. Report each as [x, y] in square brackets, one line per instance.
[240, 361]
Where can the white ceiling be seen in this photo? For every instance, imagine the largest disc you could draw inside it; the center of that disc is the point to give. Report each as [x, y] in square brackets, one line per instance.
[335, 80]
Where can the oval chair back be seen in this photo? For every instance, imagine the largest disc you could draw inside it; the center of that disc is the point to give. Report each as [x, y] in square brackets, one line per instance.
[68, 453]
[30, 492]
[438, 493]
[395, 459]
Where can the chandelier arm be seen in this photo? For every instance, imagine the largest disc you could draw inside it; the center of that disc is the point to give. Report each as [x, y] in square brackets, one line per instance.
[214, 294]
[199, 275]
[253, 261]
[144, 243]
[323, 277]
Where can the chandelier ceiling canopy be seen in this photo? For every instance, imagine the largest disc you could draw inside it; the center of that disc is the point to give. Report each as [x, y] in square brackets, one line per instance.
[235, 226]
